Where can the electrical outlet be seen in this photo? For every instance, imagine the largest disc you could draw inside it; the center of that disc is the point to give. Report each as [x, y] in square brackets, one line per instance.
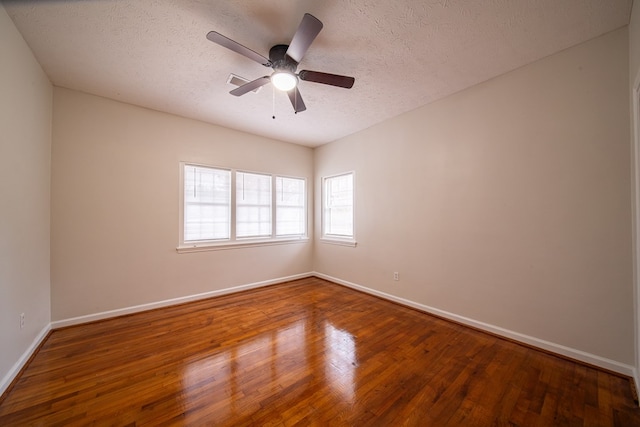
[21, 320]
[396, 275]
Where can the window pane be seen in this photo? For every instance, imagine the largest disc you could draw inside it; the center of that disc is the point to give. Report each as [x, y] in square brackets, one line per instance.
[207, 203]
[290, 207]
[253, 205]
[338, 206]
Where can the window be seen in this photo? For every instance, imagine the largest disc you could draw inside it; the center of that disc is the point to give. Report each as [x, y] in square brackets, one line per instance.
[207, 203]
[337, 218]
[263, 208]
[290, 207]
[253, 205]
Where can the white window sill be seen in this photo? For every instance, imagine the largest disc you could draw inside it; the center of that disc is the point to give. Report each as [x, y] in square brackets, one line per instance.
[201, 247]
[340, 242]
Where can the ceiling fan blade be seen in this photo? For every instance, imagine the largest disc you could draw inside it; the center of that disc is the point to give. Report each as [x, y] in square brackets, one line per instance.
[327, 79]
[306, 33]
[248, 87]
[296, 100]
[237, 47]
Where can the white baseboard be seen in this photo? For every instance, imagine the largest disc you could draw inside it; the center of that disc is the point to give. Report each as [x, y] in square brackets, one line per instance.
[17, 367]
[559, 349]
[165, 303]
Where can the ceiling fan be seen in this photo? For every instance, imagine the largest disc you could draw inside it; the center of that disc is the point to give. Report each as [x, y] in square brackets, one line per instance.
[284, 60]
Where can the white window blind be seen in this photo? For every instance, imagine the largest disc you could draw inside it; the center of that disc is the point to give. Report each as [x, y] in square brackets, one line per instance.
[207, 203]
[338, 206]
[290, 207]
[253, 205]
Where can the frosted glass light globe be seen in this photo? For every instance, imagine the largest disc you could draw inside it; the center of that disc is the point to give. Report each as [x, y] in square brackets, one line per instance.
[284, 80]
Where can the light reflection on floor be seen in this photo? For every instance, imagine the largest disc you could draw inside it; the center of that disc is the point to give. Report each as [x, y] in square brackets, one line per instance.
[211, 374]
[230, 373]
[341, 361]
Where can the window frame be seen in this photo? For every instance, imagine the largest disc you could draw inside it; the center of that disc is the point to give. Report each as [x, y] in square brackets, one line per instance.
[334, 238]
[233, 241]
[183, 204]
[304, 206]
[234, 216]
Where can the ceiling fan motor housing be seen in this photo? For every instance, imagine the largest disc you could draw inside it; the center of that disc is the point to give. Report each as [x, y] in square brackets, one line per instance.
[280, 61]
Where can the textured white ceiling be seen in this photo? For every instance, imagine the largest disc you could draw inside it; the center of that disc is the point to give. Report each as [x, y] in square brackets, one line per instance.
[402, 53]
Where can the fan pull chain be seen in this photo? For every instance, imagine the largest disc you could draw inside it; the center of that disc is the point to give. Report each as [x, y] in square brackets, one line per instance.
[273, 101]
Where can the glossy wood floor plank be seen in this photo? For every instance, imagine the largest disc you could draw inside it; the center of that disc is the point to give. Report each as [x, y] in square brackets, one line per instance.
[307, 352]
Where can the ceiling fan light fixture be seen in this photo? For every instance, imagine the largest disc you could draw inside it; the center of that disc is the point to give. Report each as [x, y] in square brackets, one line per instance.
[284, 80]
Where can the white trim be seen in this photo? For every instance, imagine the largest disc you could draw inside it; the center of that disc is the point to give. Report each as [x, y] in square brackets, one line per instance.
[22, 361]
[239, 244]
[340, 242]
[559, 349]
[165, 303]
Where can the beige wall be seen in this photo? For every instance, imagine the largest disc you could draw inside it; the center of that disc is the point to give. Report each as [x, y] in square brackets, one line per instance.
[507, 203]
[25, 154]
[114, 218]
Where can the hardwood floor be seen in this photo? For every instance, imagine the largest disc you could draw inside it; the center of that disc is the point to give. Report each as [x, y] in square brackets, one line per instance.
[307, 352]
